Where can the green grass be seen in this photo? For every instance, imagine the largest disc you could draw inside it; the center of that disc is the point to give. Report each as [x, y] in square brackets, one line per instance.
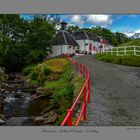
[78, 82]
[129, 60]
[134, 42]
[57, 77]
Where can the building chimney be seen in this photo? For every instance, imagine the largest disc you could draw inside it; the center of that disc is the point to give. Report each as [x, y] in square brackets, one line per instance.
[63, 25]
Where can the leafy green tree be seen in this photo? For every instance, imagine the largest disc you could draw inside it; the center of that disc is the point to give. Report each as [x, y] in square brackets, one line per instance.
[40, 34]
[72, 29]
[121, 38]
[24, 42]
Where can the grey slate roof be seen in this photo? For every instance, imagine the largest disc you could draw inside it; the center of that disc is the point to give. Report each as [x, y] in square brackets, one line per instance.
[64, 38]
[82, 35]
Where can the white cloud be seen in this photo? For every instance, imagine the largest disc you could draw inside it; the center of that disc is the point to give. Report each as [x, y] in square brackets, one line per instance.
[133, 16]
[99, 19]
[77, 19]
[137, 31]
[131, 33]
[95, 19]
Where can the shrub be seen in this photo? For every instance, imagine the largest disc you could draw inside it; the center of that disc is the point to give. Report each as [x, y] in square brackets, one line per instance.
[47, 71]
[62, 95]
[34, 75]
[34, 56]
[28, 69]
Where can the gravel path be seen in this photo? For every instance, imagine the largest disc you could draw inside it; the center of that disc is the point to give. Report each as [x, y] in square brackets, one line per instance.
[115, 94]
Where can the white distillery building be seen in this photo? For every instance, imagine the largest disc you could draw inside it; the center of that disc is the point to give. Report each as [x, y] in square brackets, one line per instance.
[63, 43]
[88, 42]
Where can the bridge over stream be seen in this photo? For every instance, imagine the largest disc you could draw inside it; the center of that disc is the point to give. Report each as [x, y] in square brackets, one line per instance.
[115, 94]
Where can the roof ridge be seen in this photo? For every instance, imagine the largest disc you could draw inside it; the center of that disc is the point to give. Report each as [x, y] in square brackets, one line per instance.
[86, 34]
[64, 38]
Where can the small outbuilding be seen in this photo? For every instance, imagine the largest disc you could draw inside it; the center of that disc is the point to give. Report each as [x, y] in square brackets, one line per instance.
[63, 42]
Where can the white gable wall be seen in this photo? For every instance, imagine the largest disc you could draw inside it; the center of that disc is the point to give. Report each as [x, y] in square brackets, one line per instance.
[81, 44]
[61, 49]
[84, 47]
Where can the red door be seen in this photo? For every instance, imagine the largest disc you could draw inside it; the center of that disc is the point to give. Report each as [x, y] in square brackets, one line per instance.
[90, 47]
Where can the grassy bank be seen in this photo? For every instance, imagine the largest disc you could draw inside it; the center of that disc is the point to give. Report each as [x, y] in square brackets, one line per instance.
[129, 60]
[56, 76]
[133, 42]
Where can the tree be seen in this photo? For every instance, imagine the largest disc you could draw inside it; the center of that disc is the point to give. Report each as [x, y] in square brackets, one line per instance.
[23, 42]
[40, 34]
[113, 38]
[121, 38]
[72, 29]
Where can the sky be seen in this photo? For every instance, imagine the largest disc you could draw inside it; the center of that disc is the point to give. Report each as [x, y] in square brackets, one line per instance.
[128, 24]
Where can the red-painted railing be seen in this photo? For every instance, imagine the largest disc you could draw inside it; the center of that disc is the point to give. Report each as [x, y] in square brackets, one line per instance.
[85, 93]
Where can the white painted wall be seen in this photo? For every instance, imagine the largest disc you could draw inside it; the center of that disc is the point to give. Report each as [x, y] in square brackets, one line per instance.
[61, 49]
[84, 47]
[82, 44]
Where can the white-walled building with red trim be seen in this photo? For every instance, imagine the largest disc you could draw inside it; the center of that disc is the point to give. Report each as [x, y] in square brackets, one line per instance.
[88, 42]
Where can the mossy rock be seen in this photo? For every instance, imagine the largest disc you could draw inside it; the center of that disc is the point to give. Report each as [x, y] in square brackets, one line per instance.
[3, 76]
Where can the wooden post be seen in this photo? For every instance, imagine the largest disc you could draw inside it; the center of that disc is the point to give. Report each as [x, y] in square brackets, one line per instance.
[117, 51]
[125, 50]
[134, 50]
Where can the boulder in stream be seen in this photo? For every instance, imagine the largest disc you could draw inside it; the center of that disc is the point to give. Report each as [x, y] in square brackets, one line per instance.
[42, 92]
[18, 94]
[47, 118]
[2, 119]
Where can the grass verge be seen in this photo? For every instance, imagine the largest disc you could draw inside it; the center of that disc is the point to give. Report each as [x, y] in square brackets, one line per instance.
[56, 75]
[128, 60]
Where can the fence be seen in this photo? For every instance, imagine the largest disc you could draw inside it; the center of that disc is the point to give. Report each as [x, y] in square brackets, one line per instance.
[85, 93]
[127, 50]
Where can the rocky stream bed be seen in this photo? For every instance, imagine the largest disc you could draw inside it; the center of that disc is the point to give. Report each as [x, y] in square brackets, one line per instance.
[22, 103]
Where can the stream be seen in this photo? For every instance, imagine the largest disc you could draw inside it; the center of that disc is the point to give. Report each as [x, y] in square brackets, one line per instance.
[15, 101]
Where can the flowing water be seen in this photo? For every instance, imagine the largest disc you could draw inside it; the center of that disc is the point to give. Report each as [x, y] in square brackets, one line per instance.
[14, 104]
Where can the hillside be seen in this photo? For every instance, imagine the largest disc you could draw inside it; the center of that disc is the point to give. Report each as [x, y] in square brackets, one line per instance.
[134, 42]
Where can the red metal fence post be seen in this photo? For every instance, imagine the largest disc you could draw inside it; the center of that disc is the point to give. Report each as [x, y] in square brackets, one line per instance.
[88, 89]
[85, 91]
[78, 67]
[83, 71]
[70, 118]
[85, 110]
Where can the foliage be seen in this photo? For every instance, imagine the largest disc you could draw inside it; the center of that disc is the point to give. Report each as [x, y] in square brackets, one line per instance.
[28, 69]
[72, 29]
[14, 57]
[3, 76]
[24, 42]
[78, 83]
[34, 56]
[129, 60]
[34, 75]
[113, 38]
[132, 42]
[62, 88]
[46, 71]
